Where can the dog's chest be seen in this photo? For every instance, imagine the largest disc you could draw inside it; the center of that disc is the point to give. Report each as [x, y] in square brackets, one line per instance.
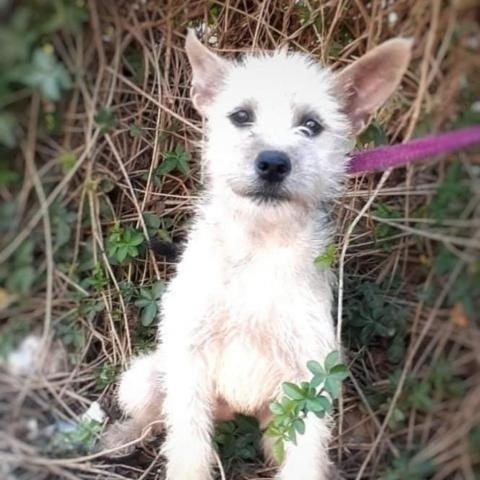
[266, 330]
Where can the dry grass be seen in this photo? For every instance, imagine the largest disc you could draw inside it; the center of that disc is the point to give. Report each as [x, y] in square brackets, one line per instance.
[111, 182]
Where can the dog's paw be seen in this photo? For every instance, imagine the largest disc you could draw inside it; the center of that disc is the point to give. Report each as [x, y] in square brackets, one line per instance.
[122, 438]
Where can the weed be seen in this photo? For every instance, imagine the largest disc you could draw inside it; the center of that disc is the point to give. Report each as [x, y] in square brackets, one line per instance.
[19, 275]
[89, 308]
[237, 439]
[371, 317]
[466, 289]
[79, 438]
[11, 336]
[144, 338]
[314, 396]
[29, 64]
[105, 375]
[97, 279]
[148, 302]
[177, 160]
[62, 220]
[327, 258]
[441, 383]
[404, 468]
[123, 244]
[105, 119]
[451, 195]
[382, 230]
[373, 135]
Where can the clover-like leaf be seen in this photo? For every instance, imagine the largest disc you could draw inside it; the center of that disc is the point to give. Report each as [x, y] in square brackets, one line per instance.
[293, 391]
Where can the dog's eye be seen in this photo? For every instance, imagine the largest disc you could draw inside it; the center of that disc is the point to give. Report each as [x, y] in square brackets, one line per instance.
[312, 127]
[240, 118]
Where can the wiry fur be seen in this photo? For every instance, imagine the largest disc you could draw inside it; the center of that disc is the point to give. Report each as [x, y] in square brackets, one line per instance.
[247, 308]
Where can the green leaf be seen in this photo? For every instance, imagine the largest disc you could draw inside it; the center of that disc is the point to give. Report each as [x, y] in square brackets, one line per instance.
[373, 135]
[293, 391]
[278, 451]
[319, 404]
[332, 359]
[168, 165]
[134, 131]
[143, 302]
[148, 314]
[317, 380]
[152, 222]
[340, 372]
[158, 290]
[276, 408]
[332, 387]
[105, 120]
[46, 74]
[299, 426]
[327, 258]
[8, 130]
[315, 367]
[122, 253]
[66, 161]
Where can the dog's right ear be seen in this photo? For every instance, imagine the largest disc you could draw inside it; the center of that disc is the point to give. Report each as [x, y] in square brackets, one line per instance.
[208, 72]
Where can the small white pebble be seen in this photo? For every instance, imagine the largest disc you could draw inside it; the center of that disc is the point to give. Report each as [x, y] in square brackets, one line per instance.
[94, 412]
[24, 359]
[212, 40]
[475, 107]
[392, 18]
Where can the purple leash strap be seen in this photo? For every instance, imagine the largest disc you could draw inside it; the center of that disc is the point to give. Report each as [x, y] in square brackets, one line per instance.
[389, 156]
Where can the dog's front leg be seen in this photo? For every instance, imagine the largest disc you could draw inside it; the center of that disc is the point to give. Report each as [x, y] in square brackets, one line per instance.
[189, 419]
[308, 460]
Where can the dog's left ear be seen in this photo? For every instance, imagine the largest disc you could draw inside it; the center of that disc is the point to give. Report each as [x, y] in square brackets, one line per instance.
[208, 72]
[369, 81]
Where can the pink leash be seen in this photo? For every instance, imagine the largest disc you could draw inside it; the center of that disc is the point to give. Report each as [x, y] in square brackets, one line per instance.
[385, 157]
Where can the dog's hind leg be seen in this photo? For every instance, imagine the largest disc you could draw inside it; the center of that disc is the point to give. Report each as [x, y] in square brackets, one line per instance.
[308, 459]
[140, 396]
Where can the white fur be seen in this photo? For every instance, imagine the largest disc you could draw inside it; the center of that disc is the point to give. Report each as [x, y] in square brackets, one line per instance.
[247, 308]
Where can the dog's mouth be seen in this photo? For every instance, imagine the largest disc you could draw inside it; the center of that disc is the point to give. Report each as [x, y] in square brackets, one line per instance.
[270, 195]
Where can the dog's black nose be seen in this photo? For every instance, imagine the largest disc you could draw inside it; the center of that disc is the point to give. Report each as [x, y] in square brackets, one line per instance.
[272, 165]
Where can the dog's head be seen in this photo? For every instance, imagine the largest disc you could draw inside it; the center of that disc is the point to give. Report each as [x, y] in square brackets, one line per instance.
[280, 125]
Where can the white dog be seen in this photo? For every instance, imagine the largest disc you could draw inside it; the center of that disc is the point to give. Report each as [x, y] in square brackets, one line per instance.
[247, 308]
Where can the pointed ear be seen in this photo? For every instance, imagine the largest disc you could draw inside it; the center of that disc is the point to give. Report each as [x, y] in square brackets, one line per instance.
[370, 80]
[208, 72]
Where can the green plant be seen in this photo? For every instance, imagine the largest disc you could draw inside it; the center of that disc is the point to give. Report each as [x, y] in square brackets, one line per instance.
[440, 383]
[97, 279]
[237, 439]
[371, 317]
[18, 275]
[373, 135]
[105, 119]
[123, 244]
[383, 231]
[90, 307]
[144, 338]
[80, 438]
[451, 195]
[62, 220]
[11, 335]
[327, 258]
[105, 375]
[176, 160]
[148, 302]
[309, 397]
[71, 334]
[404, 468]
[29, 64]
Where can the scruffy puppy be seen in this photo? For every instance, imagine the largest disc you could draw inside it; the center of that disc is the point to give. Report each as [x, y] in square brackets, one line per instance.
[247, 308]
